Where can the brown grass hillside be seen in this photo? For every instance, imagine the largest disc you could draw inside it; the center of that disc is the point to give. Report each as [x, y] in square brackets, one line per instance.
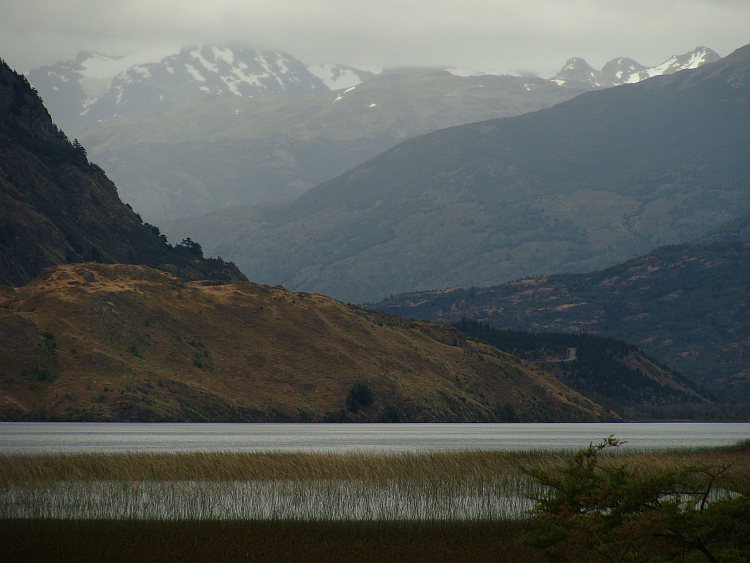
[118, 342]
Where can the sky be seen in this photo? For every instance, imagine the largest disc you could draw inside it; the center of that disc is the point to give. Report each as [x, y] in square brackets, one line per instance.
[515, 36]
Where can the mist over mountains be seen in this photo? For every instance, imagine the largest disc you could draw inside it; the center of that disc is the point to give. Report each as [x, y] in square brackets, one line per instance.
[589, 182]
[95, 88]
[218, 126]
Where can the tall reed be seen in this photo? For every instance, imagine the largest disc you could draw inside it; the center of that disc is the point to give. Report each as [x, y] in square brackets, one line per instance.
[464, 485]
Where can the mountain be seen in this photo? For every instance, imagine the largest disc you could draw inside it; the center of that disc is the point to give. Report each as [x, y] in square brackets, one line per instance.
[687, 305]
[262, 145]
[94, 341]
[97, 88]
[58, 208]
[589, 182]
[212, 152]
[577, 72]
[128, 343]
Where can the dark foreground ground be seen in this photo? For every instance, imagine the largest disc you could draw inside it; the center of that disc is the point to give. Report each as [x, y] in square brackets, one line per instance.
[144, 541]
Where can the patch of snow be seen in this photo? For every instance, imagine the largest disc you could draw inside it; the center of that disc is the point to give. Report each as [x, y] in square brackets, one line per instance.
[60, 77]
[373, 105]
[170, 70]
[208, 64]
[349, 89]
[335, 77]
[462, 72]
[194, 73]
[55, 88]
[696, 60]
[142, 70]
[264, 63]
[662, 68]
[205, 89]
[224, 54]
[281, 63]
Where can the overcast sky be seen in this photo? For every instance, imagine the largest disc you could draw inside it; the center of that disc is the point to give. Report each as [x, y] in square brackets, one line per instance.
[534, 36]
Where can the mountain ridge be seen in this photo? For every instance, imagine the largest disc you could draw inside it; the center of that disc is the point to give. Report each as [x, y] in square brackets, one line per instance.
[683, 304]
[589, 182]
[619, 71]
[134, 117]
[56, 207]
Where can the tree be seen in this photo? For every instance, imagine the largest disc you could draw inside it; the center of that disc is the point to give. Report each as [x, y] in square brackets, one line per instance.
[192, 247]
[359, 396]
[622, 514]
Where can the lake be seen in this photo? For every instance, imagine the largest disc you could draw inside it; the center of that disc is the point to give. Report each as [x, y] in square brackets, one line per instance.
[76, 437]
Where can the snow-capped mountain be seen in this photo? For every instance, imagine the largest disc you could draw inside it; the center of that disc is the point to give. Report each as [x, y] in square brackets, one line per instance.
[95, 88]
[577, 72]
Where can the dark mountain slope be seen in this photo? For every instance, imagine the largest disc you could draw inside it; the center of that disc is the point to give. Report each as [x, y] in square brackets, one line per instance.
[605, 176]
[57, 208]
[687, 305]
[608, 371]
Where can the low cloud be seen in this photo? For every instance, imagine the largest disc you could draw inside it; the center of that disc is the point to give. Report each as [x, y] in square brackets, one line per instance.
[495, 35]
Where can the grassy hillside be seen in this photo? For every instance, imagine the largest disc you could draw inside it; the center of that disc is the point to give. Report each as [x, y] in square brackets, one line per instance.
[686, 305]
[579, 186]
[128, 343]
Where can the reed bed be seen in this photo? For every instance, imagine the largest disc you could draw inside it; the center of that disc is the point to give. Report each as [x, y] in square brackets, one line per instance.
[205, 466]
[439, 486]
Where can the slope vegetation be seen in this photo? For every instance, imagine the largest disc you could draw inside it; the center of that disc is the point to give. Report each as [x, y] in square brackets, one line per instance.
[687, 305]
[57, 208]
[128, 343]
[608, 371]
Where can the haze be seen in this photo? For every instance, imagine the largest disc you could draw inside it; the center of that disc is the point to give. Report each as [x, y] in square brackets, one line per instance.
[534, 37]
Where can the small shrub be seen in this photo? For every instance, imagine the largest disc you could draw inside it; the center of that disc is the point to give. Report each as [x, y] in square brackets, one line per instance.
[359, 396]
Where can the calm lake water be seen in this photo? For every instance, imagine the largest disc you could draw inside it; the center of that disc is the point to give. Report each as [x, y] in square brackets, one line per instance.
[48, 437]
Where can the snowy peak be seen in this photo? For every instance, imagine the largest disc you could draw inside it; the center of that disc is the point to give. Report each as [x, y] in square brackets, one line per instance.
[693, 59]
[95, 88]
[577, 73]
[621, 71]
[232, 70]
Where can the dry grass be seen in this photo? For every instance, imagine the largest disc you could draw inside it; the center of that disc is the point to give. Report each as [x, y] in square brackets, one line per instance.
[200, 466]
[301, 539]
[463, 466]
[443, 486]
